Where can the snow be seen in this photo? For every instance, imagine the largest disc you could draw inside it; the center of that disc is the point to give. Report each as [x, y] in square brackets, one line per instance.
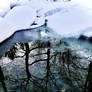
[87, 32]
[6, 30]
[65, 18]
[4, 7]
[21, 17]
[72, 18]
[4, 11]
[1, 18]
[71, 22]
[32, 3]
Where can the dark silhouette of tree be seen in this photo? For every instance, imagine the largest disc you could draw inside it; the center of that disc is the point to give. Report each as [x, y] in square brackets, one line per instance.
[88, 83]
[55, 58]
[48, 66]
[26, 60]
[11, 53]
[2, 80]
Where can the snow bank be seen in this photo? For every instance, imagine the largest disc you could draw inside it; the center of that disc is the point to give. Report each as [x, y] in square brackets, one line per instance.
[4, 7]
[4, 11]
[71, 19]
[71, 23]
[21, 17]
[6, 30]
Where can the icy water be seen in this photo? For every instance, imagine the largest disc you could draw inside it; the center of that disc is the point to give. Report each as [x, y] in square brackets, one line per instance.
[22, 36]
[82, 48]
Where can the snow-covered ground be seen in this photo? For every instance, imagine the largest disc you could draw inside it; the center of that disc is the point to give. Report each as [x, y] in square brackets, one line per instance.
[65, 18]
[6, 29]
[72, 22]
[21, 17]
[4, 7]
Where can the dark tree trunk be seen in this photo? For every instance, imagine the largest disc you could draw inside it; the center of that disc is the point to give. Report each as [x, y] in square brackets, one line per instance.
[48, 66]
[2, 80]
[26, 60]
[88, 84]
